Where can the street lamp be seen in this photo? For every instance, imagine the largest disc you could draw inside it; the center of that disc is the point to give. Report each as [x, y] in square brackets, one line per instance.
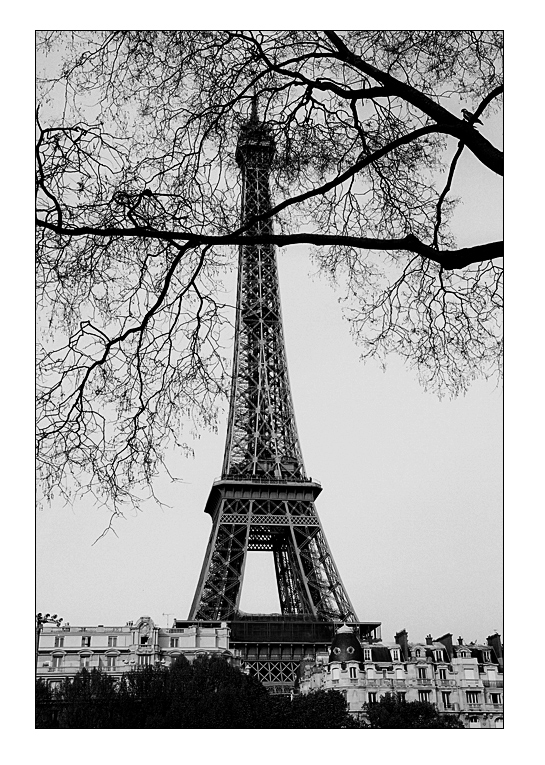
[40, 621]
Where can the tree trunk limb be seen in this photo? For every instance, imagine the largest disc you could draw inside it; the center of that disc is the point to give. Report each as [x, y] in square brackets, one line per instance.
[448, 259]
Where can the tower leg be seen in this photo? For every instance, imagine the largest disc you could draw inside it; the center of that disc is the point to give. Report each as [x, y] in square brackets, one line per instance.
[218, 592]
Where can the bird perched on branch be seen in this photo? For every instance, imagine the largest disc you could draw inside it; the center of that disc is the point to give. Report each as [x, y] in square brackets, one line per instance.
[470, 117]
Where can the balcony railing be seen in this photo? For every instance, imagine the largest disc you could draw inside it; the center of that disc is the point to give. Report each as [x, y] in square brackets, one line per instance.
[450, 707]
[235, 477]
[443, 681]
[72, 669]
[493, 683]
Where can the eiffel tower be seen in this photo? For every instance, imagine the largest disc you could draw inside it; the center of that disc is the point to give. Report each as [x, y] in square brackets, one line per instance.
[264, 500]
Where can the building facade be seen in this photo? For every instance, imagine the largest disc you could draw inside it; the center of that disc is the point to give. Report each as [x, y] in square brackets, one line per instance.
[63, 651]
[461, 679]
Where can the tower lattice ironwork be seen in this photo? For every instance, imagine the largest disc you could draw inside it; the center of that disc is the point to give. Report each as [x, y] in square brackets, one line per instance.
[264, 500]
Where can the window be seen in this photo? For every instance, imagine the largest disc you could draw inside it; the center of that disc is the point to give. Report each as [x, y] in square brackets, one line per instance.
[474, 721]
[372, 697]
[424, 695]
[495, 698]
[402, 696]
[421, 673]
[486, 656]
[367, 654]
[438, 655]
[472, 697]
[144, 639]
[395, 654]
[112, 641]
[59, 642]
[445, 698]
[442, 674]
[417, 653]
[85, 661]
[499, 722]
[353, 673]
[144, 661]
[86, 641]
[57, 662]
[174, 642]
[110, 662]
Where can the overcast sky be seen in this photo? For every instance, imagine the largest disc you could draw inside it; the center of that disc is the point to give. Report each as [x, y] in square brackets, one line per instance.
[411, 503]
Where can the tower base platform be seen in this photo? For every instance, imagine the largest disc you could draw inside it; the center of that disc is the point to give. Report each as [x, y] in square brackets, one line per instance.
[272, 646]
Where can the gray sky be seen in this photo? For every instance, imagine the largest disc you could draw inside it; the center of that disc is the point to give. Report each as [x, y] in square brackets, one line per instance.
[411, 501]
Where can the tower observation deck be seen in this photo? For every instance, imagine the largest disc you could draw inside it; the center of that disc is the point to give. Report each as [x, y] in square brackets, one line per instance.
[264, 500]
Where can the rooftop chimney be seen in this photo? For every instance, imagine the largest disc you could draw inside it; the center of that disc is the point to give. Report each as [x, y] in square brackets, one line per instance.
[460, 640]
[402, 639]
[447, 642]
[429, 640]
[495, 642]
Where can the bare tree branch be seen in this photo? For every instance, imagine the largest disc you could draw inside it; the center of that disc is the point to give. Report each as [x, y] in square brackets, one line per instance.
[483, 149]
[448, 259]
[138, 218]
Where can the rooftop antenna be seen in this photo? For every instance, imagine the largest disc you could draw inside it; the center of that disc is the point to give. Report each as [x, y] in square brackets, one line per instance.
[254, 116]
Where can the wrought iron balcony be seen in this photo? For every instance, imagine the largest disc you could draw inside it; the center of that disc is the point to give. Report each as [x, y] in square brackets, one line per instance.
[493, 683]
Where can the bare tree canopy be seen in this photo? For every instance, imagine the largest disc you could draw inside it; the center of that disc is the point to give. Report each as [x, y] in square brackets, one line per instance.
[138, 218]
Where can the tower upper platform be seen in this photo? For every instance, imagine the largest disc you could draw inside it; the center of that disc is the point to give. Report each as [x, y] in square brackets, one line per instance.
[255, 142]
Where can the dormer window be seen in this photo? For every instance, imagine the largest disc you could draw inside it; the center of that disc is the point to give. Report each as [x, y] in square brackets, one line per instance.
[486, 656]
[395, 654]
[417, 653]
[438, 655]
[367, 654]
